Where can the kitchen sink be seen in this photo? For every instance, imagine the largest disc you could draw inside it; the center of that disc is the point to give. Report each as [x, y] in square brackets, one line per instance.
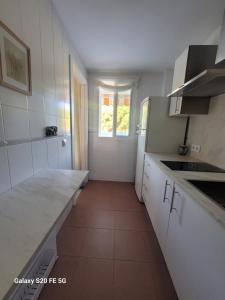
[213, 189]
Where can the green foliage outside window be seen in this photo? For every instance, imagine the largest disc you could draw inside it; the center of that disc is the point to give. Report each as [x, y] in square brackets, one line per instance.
[123, 119]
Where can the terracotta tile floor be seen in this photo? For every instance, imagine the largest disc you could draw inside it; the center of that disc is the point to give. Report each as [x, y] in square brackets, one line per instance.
[108, 250]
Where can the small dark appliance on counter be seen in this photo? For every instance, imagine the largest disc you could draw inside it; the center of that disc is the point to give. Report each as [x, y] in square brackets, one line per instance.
[51, 131]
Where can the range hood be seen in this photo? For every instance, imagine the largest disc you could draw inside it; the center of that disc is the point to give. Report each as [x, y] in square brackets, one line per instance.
[210, 82]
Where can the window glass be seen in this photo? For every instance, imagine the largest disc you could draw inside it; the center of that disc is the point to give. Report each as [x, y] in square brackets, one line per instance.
[123, 113]
[106, 111]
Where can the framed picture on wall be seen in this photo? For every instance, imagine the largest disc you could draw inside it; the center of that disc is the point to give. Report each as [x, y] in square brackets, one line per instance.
[15, 66]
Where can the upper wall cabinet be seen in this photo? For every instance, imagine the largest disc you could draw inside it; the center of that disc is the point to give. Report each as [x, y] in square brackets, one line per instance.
[194, 60]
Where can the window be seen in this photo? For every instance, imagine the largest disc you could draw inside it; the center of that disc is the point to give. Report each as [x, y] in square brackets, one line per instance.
[123, 113]
[114, 112]
[106, 112]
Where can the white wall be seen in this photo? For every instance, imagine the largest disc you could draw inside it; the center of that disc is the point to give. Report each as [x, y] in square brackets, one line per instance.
[115, 158]
[23, 118]
[151, 84]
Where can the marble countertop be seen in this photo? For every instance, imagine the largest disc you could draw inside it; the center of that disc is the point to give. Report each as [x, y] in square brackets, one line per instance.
[28, 213]
[181, 177]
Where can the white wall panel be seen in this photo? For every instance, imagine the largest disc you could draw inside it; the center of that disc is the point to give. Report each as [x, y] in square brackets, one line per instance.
[53, 153]
[50, 120]
[39, 153]
[4, 171]
[20, 162]
[10, 14]
[1, 126]
[16, 123]
[46, 31]
[61, 125]
[31, 36]
[59, 67]
[37, 124]
[9, 97]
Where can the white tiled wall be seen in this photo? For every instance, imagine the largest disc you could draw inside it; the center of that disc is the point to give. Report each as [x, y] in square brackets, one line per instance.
[53, 153]
[23, 118]
[16, 123]
[20, 162]
[4, 167]
[40, 159]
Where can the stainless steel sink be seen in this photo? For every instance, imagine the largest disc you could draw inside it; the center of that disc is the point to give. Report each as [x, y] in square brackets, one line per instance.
[213, 189]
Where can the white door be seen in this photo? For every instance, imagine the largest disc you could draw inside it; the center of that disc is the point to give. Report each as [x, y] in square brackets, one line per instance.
[142, 127]
[112, 151]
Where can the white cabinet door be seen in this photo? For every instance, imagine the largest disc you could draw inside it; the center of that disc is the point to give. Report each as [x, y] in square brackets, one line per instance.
[157, 194]
[180, 69]
[178, 80]
[195, 251]
[175, 106]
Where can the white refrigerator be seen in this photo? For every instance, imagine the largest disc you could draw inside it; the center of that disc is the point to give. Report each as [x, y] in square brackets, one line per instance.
[157, 133]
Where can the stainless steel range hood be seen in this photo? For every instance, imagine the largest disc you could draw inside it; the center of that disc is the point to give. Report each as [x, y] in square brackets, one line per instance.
[210, 82]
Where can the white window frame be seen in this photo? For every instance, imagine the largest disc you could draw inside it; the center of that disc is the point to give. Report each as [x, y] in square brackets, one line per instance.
[115, 103]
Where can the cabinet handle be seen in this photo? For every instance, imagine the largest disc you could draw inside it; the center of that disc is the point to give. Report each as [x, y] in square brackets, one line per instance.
[165, 190]
[173, 195]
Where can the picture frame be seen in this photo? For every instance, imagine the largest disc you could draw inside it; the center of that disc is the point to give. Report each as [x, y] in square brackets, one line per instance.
[15, 62]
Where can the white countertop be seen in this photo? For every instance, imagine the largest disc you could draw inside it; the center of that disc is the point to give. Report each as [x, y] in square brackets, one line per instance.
[180, 179]
[28, 212]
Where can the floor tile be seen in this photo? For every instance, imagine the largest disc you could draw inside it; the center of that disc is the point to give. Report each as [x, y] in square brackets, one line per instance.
[163, 285]
[98, 243]
[131, 245]
[78, 217]
[70, 241]
[95, 279]
[93, 218]
[133, 281]
[128, 220]
[65, 267]
[101, 219]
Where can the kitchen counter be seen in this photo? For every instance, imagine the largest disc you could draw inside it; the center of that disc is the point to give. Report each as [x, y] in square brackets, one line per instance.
[180, 177]
[28, 213]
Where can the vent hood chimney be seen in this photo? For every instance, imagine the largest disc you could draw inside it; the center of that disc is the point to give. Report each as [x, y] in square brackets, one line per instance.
[210, 82]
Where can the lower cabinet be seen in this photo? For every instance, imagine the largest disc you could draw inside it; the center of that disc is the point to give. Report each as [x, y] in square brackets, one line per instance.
[195, 250]
[192, 241]
[157, 195]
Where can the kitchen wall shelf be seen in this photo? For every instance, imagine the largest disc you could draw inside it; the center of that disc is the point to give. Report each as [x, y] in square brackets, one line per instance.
[208, 83]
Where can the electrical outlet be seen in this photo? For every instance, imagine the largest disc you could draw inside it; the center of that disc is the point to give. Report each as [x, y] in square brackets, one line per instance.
[195, 148]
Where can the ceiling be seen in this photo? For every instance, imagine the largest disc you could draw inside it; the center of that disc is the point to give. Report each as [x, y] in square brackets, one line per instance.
[137, 35]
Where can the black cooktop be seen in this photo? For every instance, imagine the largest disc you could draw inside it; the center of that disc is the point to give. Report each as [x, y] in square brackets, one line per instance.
[191, 166]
